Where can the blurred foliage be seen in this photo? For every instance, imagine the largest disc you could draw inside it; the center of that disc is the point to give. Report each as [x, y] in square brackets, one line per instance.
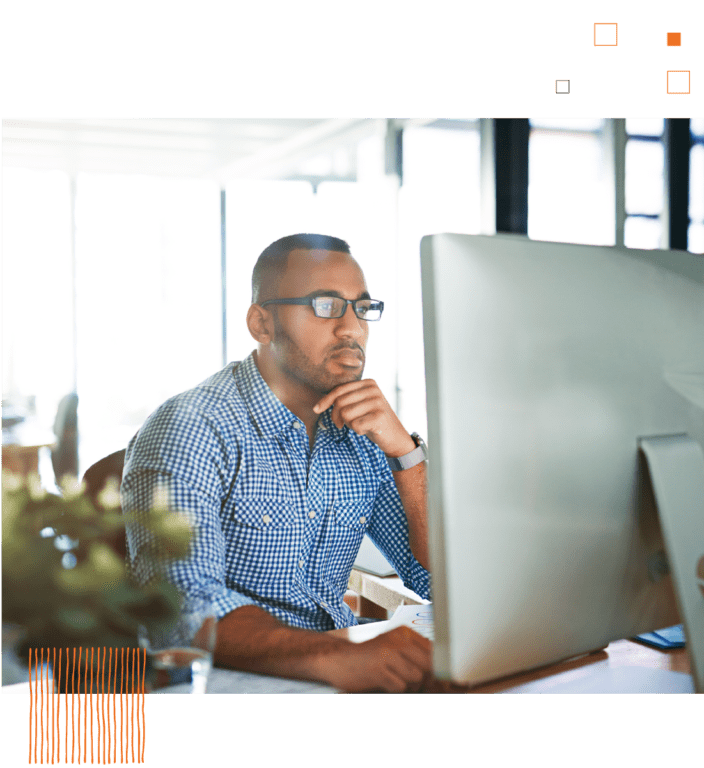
[63, 581]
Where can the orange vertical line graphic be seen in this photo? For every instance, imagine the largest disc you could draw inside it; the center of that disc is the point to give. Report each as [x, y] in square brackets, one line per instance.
[57, 707]
[78, 686]
[31, 708]
[41, 708]
[111, 719]
[85, 711]
[37, 672]
[48, 702]
[122, 685]
[97, 703]
[73, 708]
[107, 707]
[91, 704]
[132, 712]
[139, 726]
[143, 736]
[66, 716]
[36, 707]
[53, 706]
[105, 735]
[45, 724]
[103, 725]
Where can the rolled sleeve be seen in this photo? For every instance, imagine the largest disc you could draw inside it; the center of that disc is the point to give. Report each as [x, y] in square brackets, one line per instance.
[389, 532]
[179, 455]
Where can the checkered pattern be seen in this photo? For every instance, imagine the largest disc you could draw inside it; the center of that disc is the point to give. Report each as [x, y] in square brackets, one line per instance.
[278, 525]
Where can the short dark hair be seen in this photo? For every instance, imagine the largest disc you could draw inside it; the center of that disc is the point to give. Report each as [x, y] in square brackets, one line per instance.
[272, 260]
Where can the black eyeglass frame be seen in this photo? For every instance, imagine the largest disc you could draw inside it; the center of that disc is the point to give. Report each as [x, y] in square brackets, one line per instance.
[310, 301]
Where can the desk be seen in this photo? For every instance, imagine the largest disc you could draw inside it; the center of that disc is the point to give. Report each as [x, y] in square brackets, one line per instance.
[621, 654]
[378, 594]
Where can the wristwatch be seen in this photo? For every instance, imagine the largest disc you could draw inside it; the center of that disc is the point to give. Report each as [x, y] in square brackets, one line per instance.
[418, 454]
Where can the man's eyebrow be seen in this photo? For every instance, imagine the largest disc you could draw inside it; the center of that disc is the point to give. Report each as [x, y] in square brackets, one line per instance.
[314, 294]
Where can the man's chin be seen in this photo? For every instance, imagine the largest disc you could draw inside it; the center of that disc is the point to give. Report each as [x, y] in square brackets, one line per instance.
[346, 377]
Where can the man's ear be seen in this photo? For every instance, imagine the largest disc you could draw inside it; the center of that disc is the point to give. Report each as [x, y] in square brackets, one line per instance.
[259, 323]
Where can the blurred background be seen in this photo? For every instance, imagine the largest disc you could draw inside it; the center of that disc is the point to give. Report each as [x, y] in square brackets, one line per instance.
[128, 245]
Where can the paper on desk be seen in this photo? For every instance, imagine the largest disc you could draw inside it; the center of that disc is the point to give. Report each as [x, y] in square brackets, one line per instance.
[418, 617]
[234, 681]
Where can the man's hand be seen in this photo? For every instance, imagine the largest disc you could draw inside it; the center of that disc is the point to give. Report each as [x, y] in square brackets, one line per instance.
[395, 662]
[362, 406]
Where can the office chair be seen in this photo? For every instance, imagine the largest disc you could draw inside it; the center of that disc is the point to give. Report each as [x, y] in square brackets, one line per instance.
[95, 478]
[64, 454]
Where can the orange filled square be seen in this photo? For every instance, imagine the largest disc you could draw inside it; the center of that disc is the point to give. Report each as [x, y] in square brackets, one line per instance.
[674, 38]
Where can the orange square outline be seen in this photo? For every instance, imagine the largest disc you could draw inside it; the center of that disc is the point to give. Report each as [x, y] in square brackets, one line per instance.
[606, 45]
[689, 82]
[674, 39]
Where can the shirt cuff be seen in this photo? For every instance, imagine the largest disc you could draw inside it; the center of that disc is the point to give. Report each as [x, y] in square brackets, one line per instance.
[418, 579]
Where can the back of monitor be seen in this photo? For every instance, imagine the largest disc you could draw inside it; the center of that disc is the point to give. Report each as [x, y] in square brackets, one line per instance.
[545, 365]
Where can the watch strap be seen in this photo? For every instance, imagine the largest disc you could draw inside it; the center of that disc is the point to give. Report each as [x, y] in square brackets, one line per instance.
[408, 460]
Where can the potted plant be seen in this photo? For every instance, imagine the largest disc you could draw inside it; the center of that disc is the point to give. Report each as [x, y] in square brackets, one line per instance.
[65, 585]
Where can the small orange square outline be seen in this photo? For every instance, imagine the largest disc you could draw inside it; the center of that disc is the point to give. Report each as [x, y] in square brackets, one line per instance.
[674, 38]
[607, 45]
[689, 82]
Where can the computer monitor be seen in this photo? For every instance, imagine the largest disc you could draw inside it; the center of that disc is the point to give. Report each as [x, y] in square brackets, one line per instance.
[546, 364]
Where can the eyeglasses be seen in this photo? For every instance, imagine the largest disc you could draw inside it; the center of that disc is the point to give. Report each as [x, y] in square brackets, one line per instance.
[331, 307]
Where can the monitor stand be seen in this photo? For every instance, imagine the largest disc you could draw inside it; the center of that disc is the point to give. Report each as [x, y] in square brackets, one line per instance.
[676, 465]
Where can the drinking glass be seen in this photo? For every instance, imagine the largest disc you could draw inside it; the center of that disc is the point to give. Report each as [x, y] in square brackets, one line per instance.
[180, 656]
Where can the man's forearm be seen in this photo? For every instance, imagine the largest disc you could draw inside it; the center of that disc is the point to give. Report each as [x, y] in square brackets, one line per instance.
[412, 485]
[252, 639]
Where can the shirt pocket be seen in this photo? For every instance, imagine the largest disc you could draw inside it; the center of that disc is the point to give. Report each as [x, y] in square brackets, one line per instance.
[262, 543]
[263, 513]
[348, 522]
[352, 515]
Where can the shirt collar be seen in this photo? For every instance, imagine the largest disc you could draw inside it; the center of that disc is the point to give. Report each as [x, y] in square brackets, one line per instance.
[268, 413]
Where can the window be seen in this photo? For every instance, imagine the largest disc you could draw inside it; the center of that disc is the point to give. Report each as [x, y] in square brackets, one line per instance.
[38, 357]
[645, 183]
[440, 193]
[695, 235]
[148, 299]
[569, 184]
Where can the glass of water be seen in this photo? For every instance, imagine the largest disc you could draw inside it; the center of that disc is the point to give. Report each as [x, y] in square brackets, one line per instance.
[179, 657]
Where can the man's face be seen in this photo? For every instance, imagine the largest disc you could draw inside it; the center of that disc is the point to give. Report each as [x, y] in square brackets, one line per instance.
[318, 352]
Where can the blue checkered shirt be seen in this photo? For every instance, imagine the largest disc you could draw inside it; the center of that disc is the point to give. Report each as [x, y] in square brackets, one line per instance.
[278, 525]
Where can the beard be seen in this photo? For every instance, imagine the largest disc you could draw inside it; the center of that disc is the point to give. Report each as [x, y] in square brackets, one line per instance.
[297, 365]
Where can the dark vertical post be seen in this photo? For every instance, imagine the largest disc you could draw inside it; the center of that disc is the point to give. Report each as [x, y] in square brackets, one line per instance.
[677, 149]
[511, 163]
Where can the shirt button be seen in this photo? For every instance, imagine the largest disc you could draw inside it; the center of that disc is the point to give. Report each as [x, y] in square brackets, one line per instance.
[296, 424]
[266, 519]
[323, 427]
[362, 519]
[323, 605]
[311, 514]
[300, 563]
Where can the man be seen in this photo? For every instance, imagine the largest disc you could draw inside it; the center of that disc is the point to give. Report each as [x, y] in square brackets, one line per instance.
[285, 461]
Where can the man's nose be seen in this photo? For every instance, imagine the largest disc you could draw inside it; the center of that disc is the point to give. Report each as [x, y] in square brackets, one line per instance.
[349, 324]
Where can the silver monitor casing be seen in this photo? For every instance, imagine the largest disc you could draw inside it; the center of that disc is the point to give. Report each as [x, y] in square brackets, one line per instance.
[545, 365]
